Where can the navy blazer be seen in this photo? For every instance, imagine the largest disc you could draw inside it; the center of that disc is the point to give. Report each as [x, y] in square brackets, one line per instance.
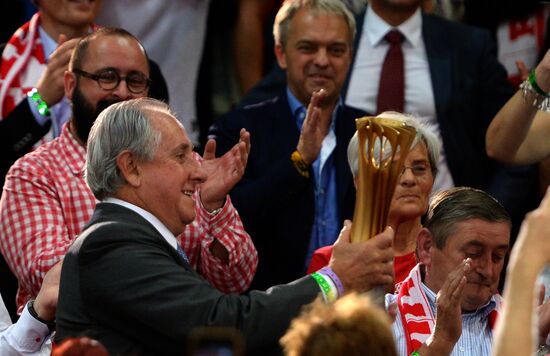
[470, 86]
[124, 285]
[275, 202]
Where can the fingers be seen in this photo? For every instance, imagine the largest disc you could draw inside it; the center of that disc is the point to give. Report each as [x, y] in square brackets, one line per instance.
[314, 108]
[244, 136]
[385, 239]
[62, 38]
[311, 123]
[522, 70]
[210, 150]
[317, 98]
[244, 147]
[452, 288]
[345, 233]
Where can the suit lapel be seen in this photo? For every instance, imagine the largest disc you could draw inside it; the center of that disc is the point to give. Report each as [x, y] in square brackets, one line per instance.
[440, 59]
[285, 134]
[110, 212]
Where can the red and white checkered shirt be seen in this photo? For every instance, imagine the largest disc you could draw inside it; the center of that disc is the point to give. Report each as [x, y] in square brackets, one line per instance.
[46, 203]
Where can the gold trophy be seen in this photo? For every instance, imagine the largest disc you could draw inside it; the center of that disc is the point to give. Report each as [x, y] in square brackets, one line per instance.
[383, 146]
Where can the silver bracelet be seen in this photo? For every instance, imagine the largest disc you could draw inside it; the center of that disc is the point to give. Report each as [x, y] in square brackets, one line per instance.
[541, 102]
[542, 350]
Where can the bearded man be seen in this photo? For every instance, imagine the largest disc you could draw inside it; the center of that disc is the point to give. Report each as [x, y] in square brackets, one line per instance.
[46, 202]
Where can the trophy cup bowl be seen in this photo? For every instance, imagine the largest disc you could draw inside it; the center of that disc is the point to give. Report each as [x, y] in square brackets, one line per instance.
[383, 145]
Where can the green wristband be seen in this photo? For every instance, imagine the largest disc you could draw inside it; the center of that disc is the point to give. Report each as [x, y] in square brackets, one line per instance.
[41, 105]
[415, 353]
[534, 84]
[325, 287]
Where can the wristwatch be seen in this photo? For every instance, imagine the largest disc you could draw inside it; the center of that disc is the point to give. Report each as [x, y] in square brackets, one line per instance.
[49, 324]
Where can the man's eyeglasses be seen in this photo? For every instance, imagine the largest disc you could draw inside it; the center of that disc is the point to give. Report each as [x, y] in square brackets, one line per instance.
[418, 170]
[109, 79]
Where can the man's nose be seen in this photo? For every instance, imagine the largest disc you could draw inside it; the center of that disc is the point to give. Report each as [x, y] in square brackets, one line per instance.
[122, 90]
[321, 57]
[485, 266]
[198, 174]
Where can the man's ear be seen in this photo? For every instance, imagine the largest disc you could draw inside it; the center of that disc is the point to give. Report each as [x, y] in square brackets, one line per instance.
[424, 244]
[129, 168]
[281, 56]
[69, 82]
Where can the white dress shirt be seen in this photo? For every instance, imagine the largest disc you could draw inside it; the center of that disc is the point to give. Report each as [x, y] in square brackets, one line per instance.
[26, 337]
[419, 97]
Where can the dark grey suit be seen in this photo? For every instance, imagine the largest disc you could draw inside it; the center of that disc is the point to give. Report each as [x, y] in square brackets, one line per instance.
[124, 285]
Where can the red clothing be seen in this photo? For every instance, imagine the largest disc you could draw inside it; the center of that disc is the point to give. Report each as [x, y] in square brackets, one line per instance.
[46, 203]
[402, 264]
[320, 259]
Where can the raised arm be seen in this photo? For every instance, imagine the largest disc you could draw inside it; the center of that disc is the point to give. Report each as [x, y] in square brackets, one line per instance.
[448, 324]
[519, 132]
[514, 331]
[218, 246]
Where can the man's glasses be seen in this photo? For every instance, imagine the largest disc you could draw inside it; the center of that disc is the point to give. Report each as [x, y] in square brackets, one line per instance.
[109, 79]
[418, 170]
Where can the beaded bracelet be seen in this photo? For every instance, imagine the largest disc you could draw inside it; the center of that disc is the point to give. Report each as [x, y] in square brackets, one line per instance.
[328, 293]
[41, 105]
[541, 102]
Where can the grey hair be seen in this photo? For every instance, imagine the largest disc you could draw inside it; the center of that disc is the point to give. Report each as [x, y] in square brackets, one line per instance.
[124, 126]
[291, 7]
[451, 206]
[424, 134]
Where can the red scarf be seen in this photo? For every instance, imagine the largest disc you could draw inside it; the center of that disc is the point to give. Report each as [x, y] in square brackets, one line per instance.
[417, 316]
[23, 63]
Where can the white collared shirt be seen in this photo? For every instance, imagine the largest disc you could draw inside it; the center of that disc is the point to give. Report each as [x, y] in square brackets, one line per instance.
[153, 220]
[419, 96]
[26, 337]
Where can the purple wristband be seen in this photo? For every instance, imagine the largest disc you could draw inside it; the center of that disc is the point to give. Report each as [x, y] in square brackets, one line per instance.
[327, 271]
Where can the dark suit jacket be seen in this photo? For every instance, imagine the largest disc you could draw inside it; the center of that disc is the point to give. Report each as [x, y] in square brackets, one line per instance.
[19, 131]
[470, 86]
[124, 285]
[275, 202]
